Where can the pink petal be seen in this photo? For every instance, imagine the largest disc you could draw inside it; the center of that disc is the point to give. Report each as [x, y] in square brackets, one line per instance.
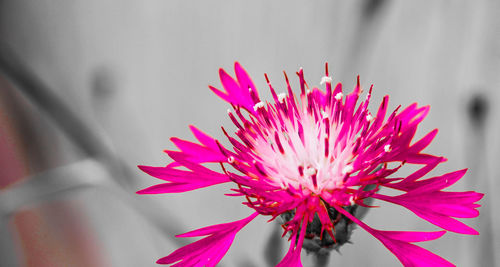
[204, 138]
[424, 142]
[292, 257]
[182, 180]
[244, 79]
[173, 188]
[221, 94]
[399, 243]
[435, 206]
[198, 153]
[209, 250]
[238, 93]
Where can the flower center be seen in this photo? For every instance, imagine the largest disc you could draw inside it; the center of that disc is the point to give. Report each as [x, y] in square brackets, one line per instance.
[306, 153]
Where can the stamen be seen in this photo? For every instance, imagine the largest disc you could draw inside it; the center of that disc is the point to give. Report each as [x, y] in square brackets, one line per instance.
[258, 105]
[351, 200]
[310, 171]
[369, 117]
[230, 159]
[325, 79]
[281, 97]
[347, 169]
[339, 96]
[315, 182]
[324, 114]
[278, 143]
[327, 147]
[301, 170]
[387, 148]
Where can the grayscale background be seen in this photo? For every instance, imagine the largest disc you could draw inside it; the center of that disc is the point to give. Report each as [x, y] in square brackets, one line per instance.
[105, 84]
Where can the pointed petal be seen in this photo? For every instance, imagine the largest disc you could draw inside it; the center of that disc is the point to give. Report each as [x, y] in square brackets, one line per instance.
[198, 153]
[424, 142]
[204, 138]
[244, 79]
[399, 243]
[292, 257]
[434, 206]
[209, 250]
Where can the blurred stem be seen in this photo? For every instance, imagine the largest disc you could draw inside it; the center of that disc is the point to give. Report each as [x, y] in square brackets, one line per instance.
[78, 131]
[322, 259]
[43, 97]
[72, 125]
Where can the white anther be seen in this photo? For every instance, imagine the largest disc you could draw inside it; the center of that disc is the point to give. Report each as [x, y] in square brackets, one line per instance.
[347, 169]
[228, 111]
[369, 117]
[339, 96]
[308, 91]
[351, 200]
[324, 114]
[281, 97]
[230, 159]
[326, 79]
[310, 171]
[387, 148]
[258, 105]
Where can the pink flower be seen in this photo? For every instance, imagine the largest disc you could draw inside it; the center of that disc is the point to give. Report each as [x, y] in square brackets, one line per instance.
[312, 159]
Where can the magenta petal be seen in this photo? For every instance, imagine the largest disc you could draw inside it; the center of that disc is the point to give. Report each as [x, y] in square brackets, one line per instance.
[209, 250]
[399, 243]
[435, 207]
[182, 180]
[174, 175]
[204, 138]
[244, 79]
[406, 183]
[198, 153]
[435, 183]
[173, 188]
[221, 94]
[410, 254]
[424, 142]
[219, 227]
[238, 93]
[292, 258]
[413, 236]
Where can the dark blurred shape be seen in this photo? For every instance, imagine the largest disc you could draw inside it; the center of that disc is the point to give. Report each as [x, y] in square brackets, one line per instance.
[273, 248]
[322, 260]
[245, 263]
[477, 146]
[103, 84]
[478, 108]
[372, 7]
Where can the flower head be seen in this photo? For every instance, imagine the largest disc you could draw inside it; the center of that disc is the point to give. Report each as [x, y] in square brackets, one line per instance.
[312, 159]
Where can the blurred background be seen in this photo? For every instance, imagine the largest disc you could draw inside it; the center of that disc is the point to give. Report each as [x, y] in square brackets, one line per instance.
[91, 89]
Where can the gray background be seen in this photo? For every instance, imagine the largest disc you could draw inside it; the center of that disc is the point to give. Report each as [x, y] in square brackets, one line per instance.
[136, 72]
